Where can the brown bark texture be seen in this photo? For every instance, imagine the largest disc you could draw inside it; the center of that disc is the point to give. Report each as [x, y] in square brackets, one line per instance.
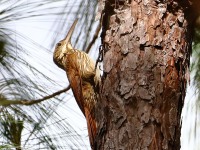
[146, 59]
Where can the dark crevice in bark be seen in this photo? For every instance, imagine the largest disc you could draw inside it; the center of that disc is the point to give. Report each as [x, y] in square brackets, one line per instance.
[158, 47]
[108, 9]
[142, 47]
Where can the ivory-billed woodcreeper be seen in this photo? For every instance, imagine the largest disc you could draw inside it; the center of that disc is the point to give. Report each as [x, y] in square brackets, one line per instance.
[83, 77]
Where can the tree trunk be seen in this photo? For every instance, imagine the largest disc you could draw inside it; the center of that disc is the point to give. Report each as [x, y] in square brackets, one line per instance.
[146, 58]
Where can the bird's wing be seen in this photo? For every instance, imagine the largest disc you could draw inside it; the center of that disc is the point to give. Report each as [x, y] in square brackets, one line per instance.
[76, 85]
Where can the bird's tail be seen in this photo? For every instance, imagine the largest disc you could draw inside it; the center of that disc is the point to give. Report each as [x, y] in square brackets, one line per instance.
[92, 128]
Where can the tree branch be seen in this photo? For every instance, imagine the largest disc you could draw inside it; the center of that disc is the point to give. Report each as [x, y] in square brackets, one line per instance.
[5, 102]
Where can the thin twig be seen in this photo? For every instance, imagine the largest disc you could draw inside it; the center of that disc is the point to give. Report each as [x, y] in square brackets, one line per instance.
[5, 102]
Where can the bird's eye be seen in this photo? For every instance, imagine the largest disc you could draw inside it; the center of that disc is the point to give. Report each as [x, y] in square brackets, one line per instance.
[59, 44]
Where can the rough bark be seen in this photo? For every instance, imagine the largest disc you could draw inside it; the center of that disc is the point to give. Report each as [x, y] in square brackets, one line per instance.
[146, 58]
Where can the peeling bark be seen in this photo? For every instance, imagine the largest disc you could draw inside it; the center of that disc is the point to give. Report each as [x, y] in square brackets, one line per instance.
[146, 62]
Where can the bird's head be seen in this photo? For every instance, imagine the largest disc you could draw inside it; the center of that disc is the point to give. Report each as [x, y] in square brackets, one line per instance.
[63, 47]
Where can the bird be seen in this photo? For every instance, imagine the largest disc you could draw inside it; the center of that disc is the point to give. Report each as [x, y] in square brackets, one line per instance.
[84, 79]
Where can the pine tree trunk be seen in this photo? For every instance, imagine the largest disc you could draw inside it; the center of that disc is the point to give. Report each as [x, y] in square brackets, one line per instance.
[146, 59]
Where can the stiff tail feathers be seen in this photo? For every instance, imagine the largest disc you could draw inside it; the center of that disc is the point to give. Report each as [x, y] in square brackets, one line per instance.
[92, 127]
